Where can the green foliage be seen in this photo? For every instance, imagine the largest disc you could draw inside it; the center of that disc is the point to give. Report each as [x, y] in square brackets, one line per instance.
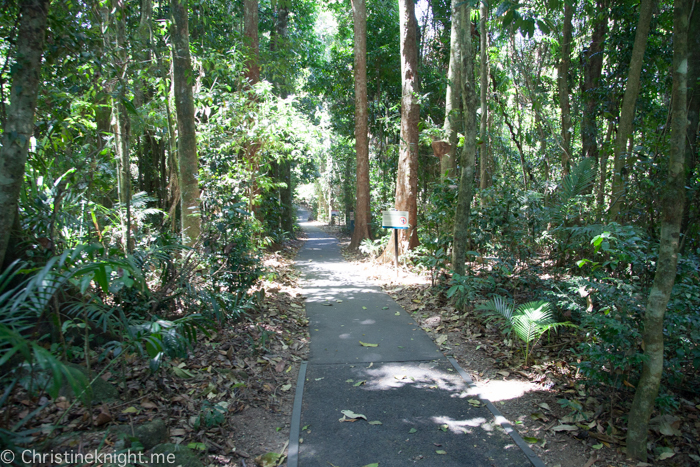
[528, 322]
[465, 290]
[374, 247]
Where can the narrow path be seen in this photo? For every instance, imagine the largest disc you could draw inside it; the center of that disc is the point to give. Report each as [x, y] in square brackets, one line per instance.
[429, 413]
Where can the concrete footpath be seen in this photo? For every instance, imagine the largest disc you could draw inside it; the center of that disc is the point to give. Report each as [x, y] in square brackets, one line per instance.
[420, 407]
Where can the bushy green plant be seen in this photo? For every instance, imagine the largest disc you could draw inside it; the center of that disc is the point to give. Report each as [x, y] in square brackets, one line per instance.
[528, 322]
[467, 289]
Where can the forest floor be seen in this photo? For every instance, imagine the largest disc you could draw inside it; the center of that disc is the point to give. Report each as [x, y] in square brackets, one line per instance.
[230, 400]
[585, 431]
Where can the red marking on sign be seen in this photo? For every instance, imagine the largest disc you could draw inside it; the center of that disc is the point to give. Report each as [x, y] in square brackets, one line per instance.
[403, 220]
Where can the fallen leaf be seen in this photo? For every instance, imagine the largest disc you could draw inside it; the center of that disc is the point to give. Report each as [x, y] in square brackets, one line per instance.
[178, 432]
[131, 409]
[474, 402]
[398, 313]
[504, 373]
[440, 451]
[385, 308]
[286, 387]
[182, 372]
[351, 414]
[531, 440]
[564, 428]
[364, 307]
[197, 446]
[441, 340]
[364, 344]
[444, 427]
[375, 422]
[545, 406]
[597, 446]
[412, 430]
[146, 404]
[376, 464]
[359, 383]
[349, 380]
[666, 453]
[103, 418]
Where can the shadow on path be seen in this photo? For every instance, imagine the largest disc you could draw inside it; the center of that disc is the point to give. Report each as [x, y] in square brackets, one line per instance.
[418, 405]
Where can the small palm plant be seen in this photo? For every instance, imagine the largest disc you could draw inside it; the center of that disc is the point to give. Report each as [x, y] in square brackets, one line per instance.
[529, 321]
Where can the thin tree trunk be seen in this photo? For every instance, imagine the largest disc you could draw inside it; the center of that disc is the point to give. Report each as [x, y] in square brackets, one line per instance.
[250, 25]
[187, 139]
[672, 202]
[122, 128]
[629, 101]
[407, 176]
[593, 66]
[19, 126]
[563, 81]
[362, 202]
[468, 159]
[691, 152]
[484, 153]
[285, 165]
[600, 195]
[453, 119]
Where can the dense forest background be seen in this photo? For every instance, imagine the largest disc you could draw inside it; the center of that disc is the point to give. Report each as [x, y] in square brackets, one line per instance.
[547, 152]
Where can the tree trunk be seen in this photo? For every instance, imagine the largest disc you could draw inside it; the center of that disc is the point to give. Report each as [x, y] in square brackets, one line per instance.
[629, 100]
[122, 127]
[187, 137]
[691, 152]
[407, 176]
[250, 34]
[285, 165]
[485, 172]
[362, 203]
[672, 213]
[19, 126]
[453, 119]
[563, 82]
[593, 66]
[466, 181]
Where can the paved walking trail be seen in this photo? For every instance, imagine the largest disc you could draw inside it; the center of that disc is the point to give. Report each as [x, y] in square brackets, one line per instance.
[428, 412]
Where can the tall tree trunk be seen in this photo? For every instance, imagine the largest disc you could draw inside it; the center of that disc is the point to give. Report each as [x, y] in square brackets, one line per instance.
[629, 101]
[468, 159]
[485, 172]
[453, 119]
[691, 152]
[250, 34]
[362, 201]
[252, 74]
[187, 138]
[279, 43]
[407, 176]
[19, 126]
[122, 127]
[672, 202]
[593, 66]
[563, 82]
